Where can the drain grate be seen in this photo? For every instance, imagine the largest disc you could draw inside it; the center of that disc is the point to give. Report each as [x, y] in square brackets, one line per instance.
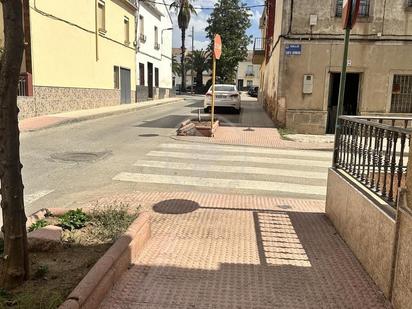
[80, 156]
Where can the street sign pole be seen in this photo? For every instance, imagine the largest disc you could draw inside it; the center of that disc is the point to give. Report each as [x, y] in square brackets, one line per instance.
[342, 86]
[213, 92]
[349, 15]
[217, 52]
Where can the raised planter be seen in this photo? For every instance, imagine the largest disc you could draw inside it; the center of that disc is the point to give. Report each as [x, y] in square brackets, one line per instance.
[197, 128]
[98, 282]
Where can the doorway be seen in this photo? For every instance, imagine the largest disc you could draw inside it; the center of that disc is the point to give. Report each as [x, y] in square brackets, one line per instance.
[350, 104]
[150, 79]
[240, 84]
[125, 90]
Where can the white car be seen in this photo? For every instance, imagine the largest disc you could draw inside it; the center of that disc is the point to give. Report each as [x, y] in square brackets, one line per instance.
[225, 96]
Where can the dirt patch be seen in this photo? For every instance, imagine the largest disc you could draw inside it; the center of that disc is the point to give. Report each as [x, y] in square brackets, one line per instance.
[55, 274]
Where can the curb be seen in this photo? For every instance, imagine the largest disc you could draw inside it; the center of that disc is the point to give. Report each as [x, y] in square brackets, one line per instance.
[98, 282]
[69, 120]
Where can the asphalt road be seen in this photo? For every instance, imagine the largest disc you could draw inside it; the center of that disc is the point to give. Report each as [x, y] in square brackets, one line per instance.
[136, 152]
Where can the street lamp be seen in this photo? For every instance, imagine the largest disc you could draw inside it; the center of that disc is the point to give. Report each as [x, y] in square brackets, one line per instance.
[162, 33]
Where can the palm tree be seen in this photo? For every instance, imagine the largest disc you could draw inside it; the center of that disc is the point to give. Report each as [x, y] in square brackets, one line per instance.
[199, 62]
[176, 70]
[185, 9]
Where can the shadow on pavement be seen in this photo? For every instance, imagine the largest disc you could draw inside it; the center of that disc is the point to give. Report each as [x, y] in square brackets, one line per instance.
[203, 259]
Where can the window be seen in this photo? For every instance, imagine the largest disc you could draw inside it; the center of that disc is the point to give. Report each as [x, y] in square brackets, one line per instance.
[249, 70]
[363, 9]
[141, 74]
[401, 94]
[101, 16]
[157, 77]
[249, 83]
[142, 37]
[156, 36]
[126, 31]
[410, 3]
[116, 76]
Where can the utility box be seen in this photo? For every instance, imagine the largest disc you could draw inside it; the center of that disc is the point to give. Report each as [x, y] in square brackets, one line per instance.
[308, 84]
[313, 20]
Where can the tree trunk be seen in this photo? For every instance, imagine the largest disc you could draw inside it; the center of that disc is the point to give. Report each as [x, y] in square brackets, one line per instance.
[183, 86]
[199, 82]
[16, 261]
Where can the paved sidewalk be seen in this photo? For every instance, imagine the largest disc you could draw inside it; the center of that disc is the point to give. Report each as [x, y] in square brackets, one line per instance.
[47, 121]
[239, 251]
[252, 136]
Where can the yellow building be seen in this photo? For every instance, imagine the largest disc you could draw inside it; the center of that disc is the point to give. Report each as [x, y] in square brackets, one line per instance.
[79, 54]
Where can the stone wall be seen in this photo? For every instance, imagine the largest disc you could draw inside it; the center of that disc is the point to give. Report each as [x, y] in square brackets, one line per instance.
[366, 228]
[402, 287]
[51, 100]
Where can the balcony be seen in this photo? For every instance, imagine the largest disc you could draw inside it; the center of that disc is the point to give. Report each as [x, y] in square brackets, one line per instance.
[142, 38]
[259, 50]
[251, 74]
[156, 46]
[25, 86]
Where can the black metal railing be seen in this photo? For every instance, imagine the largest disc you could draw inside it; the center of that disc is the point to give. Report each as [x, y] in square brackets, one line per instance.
[363, 8]
[373, 153]
[259, 44]
[22, 86]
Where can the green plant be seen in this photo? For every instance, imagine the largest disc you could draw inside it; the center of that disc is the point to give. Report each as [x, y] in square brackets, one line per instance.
[37, 225]
[111, 221]
[284, 132]
[74, 219]
[41, 272]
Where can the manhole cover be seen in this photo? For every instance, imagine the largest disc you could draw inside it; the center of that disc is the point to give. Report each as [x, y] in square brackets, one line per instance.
[284, 206]
[80, 156]
[149, 135]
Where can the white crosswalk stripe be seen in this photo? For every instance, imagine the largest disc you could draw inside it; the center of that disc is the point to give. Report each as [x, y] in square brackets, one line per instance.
[221, 183]
[242, 169]
[237, 158]
[231, 169]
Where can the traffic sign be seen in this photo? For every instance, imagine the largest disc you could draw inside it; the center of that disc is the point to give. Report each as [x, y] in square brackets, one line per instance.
[217, 46]
[350, 13]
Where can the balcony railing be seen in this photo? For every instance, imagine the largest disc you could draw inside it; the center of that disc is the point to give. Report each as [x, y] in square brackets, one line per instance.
[259, 44]
[373, 153]
[24, 86]
[156, 46]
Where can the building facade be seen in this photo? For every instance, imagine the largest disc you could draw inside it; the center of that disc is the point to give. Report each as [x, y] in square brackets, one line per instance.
[301, 53]
[154, 52]
[247, 73]
[77, 56]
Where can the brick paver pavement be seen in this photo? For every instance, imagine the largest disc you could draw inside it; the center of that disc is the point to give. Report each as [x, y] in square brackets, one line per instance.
[230, 251]
[263, 137]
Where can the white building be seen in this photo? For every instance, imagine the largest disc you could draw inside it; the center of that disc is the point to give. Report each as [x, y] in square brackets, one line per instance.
[247, 73]
[154, 51]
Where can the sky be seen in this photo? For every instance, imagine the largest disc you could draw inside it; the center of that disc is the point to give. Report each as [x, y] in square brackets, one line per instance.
[199, 22]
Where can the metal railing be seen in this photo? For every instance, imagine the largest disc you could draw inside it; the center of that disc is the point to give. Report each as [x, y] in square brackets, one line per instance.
[259, 44]
[373, 153]
[22, 86]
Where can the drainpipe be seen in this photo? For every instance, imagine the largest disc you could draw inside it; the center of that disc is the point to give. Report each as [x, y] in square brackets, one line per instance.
[96, 4]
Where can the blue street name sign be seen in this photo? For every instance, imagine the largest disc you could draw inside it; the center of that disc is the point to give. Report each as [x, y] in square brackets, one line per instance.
[293, 49]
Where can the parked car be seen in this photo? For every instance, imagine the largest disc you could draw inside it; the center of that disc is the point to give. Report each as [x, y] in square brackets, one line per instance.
[250, 91]
[225, 96]
[254, 93]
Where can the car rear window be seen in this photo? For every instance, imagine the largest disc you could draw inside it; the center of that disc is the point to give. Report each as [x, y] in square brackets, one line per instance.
[224, 88]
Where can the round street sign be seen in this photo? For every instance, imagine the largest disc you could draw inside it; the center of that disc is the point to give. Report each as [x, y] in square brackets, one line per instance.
[217, 46]
[350, 11]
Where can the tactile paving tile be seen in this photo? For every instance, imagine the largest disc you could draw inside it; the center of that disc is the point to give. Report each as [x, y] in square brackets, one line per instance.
[242, 252]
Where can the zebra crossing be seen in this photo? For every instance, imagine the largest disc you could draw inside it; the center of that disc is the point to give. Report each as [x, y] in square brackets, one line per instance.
[231, 169]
